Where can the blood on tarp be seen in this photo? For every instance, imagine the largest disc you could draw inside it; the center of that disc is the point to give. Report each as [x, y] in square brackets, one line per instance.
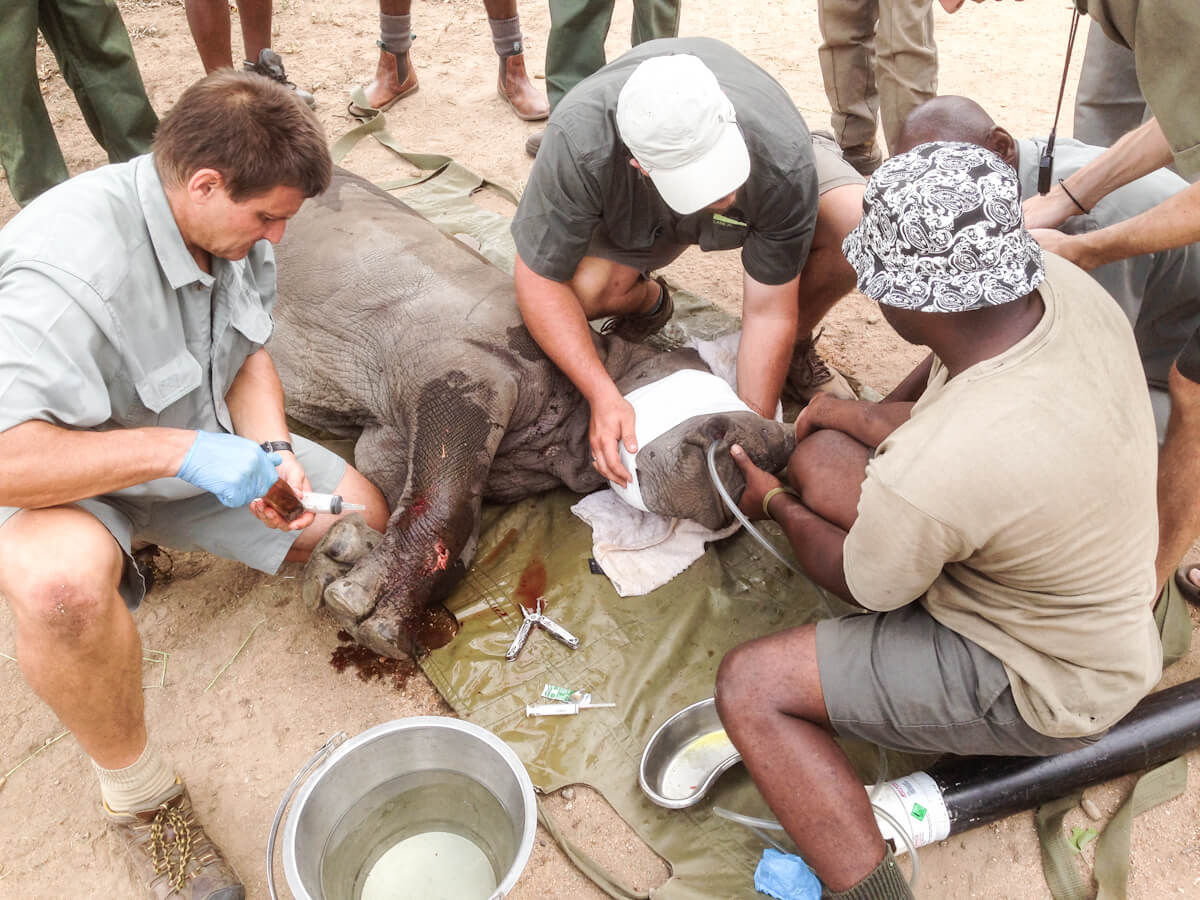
[532, 584]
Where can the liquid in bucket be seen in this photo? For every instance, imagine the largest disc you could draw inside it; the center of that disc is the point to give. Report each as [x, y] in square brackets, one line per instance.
[436, 865]
[432, 835]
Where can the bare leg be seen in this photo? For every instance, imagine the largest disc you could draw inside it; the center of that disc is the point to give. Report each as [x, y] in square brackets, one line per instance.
[824, 280]
[607, 288]
[255, 16]
[77, 645]
[827, 469]
[500, 9]
[827, 277]
[209, 24]
[770, 700]
[1179, 479]
[353, 488]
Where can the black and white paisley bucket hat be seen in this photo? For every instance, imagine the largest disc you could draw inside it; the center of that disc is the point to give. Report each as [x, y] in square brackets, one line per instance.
[942, 231]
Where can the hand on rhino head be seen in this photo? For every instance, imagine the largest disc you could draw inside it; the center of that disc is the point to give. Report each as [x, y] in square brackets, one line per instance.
[673, 468]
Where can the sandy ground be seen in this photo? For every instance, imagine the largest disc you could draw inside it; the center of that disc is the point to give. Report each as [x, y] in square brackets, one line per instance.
[239, 743]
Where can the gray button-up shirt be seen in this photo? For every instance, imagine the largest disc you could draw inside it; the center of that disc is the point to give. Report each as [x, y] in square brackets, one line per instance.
[1159, 292]
[106, 320]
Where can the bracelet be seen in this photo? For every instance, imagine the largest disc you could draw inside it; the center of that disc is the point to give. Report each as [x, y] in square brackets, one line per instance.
[1072, 196]
[770, 495]
[273, 446]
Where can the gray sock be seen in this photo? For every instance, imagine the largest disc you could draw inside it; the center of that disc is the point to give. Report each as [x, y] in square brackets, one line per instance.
[395, 34]
[885, 882]
[506, 36]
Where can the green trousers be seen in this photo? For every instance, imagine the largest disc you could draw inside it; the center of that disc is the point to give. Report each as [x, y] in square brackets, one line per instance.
[575, 48]
[90, 43]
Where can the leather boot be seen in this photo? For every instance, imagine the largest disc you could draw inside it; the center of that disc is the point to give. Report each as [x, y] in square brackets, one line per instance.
[514, 86]
[387, 84]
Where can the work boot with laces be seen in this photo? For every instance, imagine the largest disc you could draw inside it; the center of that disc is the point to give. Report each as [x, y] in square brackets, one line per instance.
[269, 65]
[636, 327]
[170, 853]
[808, 374]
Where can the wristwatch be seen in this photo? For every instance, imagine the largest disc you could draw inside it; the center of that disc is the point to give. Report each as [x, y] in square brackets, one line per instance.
[275, 446]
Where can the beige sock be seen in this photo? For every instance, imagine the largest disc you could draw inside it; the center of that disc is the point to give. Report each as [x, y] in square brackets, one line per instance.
[138, 786]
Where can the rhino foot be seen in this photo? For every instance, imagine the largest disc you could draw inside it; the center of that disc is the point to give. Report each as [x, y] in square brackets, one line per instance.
[346, 542]
[343, 577]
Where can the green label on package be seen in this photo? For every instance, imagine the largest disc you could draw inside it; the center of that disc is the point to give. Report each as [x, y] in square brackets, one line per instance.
[554, 692]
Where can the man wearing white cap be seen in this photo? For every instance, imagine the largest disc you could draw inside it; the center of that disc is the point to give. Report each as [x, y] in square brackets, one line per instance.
[678, 142]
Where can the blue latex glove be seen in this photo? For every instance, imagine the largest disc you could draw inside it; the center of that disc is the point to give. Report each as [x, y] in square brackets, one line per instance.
[233, 468]
[785, 877]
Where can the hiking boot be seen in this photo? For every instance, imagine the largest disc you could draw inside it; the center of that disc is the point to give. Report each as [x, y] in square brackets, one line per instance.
[865, 158]
[171, 855]
[533, 143]
[269, 65]
[636, 327]
[808, 374]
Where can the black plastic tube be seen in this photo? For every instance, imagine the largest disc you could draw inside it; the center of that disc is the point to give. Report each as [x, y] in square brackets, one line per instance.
[981, 789]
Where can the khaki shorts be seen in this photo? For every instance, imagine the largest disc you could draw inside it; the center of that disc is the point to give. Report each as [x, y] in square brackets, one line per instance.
[902, 680]
[832, 170]
[203, 523]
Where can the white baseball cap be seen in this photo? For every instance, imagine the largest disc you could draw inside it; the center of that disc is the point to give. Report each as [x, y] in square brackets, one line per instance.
[681, 128]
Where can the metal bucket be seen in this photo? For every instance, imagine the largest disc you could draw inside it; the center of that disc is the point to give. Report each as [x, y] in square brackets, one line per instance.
[428, 799]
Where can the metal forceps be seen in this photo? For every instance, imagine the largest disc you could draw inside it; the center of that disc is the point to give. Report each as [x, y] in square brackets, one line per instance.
[536, 618]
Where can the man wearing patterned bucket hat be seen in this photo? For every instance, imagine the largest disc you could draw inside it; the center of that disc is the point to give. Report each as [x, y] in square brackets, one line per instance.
[967, 513]
[680, 142]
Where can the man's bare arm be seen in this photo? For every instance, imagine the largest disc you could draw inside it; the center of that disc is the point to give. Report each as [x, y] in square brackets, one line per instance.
[1140, 152]
[555, 318]
[46, 465]
[817, 543]
[867, 422]
[769, 316]
[1173, 223]
[913, 386]
[255, 400]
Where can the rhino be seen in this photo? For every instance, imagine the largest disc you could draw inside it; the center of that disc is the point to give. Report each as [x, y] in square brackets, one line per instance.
[410, 342]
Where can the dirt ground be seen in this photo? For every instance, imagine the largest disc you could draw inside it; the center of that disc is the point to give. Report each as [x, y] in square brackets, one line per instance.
[239, 742]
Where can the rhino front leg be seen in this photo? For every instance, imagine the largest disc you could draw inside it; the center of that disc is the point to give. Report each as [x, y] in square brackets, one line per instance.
[390, 597]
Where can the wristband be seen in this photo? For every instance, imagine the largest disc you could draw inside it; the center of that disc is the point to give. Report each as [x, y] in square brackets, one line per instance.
[1072, 197]
[276, 447]
[770, 495]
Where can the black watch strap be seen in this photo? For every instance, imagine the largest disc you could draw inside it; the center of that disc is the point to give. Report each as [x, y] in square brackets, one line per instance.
[275, 446]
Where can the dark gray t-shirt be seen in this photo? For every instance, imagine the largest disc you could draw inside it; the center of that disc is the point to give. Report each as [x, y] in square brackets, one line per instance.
[1159, 292]
[582, 179]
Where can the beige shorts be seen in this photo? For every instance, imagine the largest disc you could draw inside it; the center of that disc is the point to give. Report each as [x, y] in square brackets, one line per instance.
[832, 170]
[203, 523]
[902, 680]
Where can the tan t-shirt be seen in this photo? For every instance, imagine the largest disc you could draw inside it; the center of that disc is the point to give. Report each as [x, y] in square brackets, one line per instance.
[1018, 505]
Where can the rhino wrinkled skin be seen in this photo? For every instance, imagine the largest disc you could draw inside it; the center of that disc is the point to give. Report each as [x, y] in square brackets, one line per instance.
[395, 334]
